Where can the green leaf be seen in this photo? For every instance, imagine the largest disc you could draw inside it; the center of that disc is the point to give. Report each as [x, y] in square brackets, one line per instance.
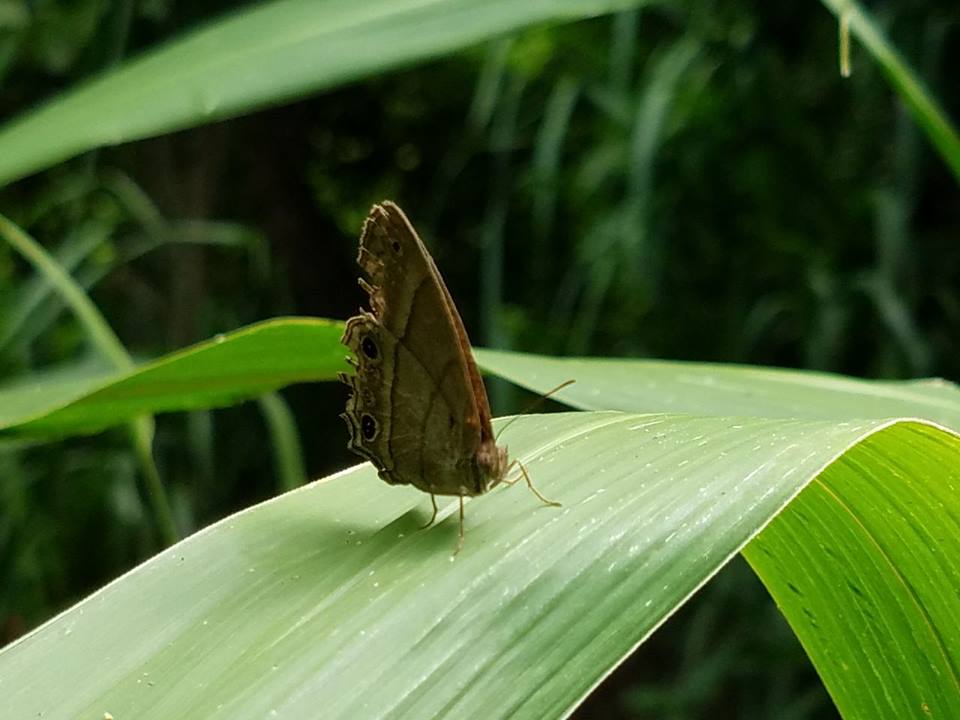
[879, 527]
[221, 371]
[724, 389]
[330, 597]
[265, 54]
[865, 565]
[299, 597]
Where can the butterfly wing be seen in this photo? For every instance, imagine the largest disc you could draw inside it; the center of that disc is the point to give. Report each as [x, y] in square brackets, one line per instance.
[419, 409]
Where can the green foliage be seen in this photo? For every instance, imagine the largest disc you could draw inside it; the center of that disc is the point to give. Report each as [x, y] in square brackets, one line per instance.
[684, 180]
[224, 370]
[268, 53]
[877, 519]
[333, 596]
[725, 389]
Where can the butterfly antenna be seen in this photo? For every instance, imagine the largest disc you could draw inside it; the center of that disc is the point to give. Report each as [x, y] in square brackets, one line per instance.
[533, 405]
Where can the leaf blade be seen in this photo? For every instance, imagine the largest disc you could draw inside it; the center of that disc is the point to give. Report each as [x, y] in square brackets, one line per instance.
[266, 54]
[884, 541]
[724, 389]
[218, 372]
[347, 594]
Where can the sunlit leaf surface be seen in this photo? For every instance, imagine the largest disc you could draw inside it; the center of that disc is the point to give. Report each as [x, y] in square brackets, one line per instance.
[330, 597]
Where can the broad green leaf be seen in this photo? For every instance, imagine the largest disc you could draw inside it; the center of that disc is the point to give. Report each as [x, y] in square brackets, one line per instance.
[264, 54]
[877, 525]
[723, 389]
[224, 370]
[330, 599]
[880, 527]
[301, 349]
[865, 565]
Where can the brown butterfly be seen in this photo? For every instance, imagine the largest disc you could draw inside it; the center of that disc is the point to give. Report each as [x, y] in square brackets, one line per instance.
[419, 409]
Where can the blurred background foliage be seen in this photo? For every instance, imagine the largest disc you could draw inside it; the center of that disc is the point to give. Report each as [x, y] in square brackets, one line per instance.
[690, 181]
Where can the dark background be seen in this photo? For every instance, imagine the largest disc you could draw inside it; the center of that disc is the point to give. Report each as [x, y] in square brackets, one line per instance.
[689, 181]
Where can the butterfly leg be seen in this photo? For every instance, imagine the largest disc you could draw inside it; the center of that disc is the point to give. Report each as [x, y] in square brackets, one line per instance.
[526, 477]
[433, 500]
[460, 538]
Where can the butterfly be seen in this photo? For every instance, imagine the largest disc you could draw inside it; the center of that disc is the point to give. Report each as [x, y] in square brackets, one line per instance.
[418, 409]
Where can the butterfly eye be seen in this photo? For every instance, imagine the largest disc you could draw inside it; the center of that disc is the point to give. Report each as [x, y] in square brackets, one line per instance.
[368, 426]
[370, 348]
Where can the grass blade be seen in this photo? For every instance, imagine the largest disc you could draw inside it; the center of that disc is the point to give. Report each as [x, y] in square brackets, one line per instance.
[330, 597]
[225, 370]
[923, 106]
[266, 54]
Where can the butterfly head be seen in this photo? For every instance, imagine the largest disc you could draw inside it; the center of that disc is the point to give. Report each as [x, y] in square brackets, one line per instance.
[492, 463]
